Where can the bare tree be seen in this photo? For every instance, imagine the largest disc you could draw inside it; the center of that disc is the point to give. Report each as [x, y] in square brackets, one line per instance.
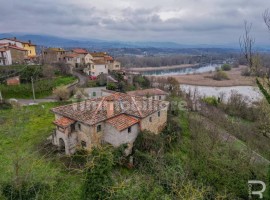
[253, 59]
[247, 42]
[266, 18]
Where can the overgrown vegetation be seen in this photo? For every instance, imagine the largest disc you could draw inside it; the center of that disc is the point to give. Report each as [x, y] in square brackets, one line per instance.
[190, 159]
[45, 79]
[226, 67]
[220, 75]
[43, 87]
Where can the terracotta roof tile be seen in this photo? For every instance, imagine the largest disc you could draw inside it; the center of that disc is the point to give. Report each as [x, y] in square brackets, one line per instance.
[71, 55]
[122, 122]
[98, 54]
[80, 51]
[63, 122]
[108, 58]
[93, 111]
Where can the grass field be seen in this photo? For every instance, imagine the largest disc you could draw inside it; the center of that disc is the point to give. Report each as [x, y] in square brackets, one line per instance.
[43, 88]
[22, 133]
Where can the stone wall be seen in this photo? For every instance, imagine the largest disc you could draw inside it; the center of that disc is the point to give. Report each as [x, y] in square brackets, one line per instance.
[157, 123]
[18, 56]
[116, 138]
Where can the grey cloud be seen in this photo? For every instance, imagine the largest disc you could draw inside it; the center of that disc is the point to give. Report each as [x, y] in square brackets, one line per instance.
[140, 20]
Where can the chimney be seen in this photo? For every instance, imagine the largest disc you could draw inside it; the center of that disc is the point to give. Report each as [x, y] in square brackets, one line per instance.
[15, 38]
[29, 41]
[110, 108]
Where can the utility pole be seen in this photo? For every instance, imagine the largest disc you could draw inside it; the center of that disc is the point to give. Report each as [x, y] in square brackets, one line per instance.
[1, 98]
[33, 89]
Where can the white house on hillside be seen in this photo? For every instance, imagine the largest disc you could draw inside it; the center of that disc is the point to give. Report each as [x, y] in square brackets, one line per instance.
[98, 67]
[5, 56]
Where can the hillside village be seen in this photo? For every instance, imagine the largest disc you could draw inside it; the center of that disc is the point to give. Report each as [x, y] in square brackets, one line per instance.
[111, 121]
[76, 124]
[14, 51]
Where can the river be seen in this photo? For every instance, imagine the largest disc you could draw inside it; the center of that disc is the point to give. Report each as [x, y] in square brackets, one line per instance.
[251, 93]
[182, 71]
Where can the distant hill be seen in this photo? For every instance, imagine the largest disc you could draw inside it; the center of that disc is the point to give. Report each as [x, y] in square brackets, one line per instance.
[53, 41]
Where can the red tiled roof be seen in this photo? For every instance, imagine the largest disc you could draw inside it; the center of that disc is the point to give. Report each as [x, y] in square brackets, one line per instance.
[98, 54]
[71, 55]
[80, 51]
[55, 49]
[108, 58]
[123, 121]
[16, 40]
[93, 111]
[63, 122]
[12, 47]
[17, 48]
[148, 92]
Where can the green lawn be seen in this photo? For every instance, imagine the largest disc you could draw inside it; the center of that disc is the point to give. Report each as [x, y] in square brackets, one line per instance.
[22, 133]
[43, 88]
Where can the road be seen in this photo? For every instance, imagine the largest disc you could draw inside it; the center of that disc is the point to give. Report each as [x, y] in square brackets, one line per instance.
[26, 102]
[82, 78]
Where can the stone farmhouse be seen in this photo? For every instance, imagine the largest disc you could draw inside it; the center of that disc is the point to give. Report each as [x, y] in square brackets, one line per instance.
[115, 119]
[53, 55]
[28, 46]
[12, 54]
[93, 64]
[153, 93]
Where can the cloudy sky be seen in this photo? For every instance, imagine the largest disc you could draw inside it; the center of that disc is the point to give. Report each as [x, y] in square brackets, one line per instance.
[182, 21]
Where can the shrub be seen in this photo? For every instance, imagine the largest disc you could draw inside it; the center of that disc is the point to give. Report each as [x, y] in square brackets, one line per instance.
[111, 86]
[102, 80]
[237, 105]
[246, 72]
[24, 191]
[98, 175]
[226, 67]
[30, 71]
[220, 75]
[92, 83]
[148, 142]
[210, 101]
[142, 81]
[61, 93]
[48, 71]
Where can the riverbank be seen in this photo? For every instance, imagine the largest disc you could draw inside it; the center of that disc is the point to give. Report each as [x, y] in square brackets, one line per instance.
[205, 79]
[146, 69]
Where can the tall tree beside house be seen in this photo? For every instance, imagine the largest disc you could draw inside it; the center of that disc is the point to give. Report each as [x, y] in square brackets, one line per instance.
[98, 180]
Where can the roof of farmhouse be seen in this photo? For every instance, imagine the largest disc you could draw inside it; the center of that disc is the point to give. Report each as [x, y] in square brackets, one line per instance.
[93, 111]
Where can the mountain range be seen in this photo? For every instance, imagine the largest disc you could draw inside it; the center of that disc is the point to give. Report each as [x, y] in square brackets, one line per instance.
[55, 41]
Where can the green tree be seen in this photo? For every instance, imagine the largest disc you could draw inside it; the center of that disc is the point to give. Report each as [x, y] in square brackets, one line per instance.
[111, 86]
[98, 180]
[226, 67]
